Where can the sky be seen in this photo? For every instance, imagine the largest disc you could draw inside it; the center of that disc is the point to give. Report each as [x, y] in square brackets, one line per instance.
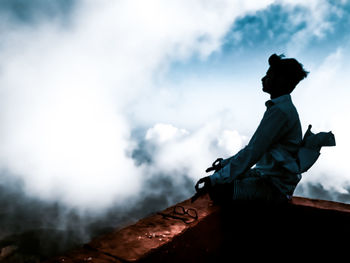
[105, 102]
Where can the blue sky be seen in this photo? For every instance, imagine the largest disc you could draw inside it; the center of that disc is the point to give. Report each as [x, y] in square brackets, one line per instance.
[78, 78]
[32, 12]
[255, 35]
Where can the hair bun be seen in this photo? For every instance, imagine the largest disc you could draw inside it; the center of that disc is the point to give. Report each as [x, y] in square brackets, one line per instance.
[275, 59]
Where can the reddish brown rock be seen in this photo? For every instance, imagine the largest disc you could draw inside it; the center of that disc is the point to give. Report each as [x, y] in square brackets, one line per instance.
[244, 229]
[84, 255]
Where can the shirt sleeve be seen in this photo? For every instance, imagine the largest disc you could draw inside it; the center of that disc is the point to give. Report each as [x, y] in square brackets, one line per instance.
[268, 132]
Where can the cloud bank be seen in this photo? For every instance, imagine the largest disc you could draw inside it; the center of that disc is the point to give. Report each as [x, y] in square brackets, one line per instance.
[66, 91]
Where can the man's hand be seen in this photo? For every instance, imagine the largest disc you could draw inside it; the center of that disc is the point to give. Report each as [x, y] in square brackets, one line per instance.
[205, 181]
[206, 184]
[216, 166]
[201, 190]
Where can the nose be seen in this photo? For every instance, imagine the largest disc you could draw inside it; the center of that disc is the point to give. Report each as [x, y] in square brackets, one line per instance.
[263, 78]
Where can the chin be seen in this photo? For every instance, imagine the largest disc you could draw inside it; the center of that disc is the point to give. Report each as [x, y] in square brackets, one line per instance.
[264, 89]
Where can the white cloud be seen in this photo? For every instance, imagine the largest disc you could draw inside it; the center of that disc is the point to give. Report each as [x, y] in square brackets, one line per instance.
[66, 92]
[192, 152]
[164, 132]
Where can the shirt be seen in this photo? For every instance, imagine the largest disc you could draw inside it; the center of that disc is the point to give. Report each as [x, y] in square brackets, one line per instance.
[273, 147]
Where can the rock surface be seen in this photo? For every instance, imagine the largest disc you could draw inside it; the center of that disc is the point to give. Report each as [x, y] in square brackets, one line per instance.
[302, 228]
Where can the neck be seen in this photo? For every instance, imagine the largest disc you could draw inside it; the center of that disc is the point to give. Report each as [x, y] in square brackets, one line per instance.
[276, 95]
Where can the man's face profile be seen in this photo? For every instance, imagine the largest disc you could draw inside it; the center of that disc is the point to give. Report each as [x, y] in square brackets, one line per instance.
[268, 81]
[274, 83]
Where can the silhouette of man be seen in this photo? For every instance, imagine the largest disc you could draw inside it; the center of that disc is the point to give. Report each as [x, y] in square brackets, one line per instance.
[273, 146]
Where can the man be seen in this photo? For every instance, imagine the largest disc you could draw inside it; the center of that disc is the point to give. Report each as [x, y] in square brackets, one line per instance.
[273, 147]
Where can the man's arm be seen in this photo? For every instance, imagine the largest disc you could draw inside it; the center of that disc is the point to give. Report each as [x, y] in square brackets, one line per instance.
[268, 132]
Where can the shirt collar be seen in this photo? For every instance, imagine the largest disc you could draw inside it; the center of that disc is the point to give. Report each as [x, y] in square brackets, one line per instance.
[280, 99]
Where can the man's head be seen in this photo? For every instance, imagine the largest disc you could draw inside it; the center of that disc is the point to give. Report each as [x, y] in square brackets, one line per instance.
[283, 75]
